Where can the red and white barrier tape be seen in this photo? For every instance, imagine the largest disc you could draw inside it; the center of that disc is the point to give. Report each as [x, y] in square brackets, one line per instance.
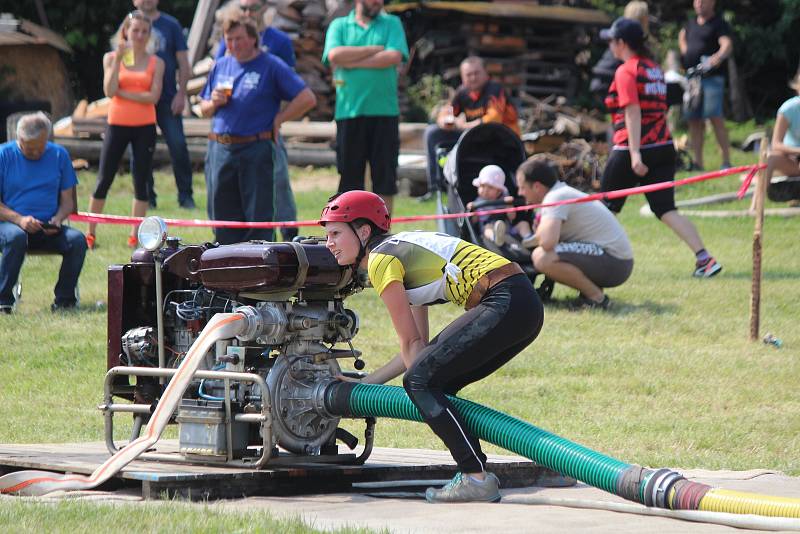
[119, 219]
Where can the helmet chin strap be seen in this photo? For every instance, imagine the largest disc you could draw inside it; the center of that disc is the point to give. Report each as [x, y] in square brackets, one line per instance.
[362, 251]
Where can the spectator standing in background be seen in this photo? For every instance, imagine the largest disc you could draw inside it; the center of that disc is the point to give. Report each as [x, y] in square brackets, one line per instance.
[603, 71]
[243, 95]
[275, 42]
[170, 46]
[132, 77]
[706, 40]
[643, 151]
[364, 49]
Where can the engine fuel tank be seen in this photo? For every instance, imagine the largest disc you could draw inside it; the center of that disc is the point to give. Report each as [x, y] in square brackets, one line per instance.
[260, 267]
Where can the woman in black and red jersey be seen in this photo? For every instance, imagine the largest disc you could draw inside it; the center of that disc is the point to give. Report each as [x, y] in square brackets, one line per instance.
[643, 151]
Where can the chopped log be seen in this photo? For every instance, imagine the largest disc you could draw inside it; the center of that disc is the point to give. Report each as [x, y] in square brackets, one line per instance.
[309, 63]
[201, 28]
[203, 67]
[291, 13]
[80, 109]
[98, 108]
[195, 85]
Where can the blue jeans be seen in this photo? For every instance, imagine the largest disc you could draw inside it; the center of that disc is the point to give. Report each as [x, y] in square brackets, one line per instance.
[15, 243]
[240, 188]
[713, 98]
[172, 129]
[285, 207]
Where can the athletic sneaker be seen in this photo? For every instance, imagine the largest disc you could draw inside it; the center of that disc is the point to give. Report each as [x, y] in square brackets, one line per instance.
[586, 302]
[707, 269]
[500, 228]
[466, 489]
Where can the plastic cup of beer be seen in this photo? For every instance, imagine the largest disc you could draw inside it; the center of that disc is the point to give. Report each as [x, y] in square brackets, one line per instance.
[128, 58]
[225, 85]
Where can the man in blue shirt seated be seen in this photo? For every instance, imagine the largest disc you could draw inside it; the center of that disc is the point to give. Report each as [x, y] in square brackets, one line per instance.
[37, 186]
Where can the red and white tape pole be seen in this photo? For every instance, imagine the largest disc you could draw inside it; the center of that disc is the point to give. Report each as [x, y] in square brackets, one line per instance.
[609, 195]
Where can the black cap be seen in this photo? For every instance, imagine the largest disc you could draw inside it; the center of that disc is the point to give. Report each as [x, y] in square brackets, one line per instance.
[627, 30]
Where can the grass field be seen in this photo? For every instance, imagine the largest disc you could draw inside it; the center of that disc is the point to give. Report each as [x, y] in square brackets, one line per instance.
[667, 378]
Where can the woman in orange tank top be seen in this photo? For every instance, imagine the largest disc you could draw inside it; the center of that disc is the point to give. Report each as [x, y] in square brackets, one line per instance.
[132, 80]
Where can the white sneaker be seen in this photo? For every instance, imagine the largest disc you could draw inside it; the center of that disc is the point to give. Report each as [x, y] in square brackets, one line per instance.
[500, 228]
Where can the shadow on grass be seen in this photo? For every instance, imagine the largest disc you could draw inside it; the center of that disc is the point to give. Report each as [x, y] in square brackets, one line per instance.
[618, 307]
[766, 274]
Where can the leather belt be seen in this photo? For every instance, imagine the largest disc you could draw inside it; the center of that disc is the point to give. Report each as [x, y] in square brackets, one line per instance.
[489, 280]
[228, 139]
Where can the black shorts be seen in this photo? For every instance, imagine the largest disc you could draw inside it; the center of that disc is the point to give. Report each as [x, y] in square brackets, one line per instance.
[363, 139]
[618, 174]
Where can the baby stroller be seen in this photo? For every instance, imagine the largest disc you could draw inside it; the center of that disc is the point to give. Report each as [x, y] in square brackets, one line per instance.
[485, 144]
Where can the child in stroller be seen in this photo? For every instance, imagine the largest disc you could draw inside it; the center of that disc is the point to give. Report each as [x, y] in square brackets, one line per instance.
[493, 194]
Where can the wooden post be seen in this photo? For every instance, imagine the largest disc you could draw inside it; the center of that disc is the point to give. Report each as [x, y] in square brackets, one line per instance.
[201, 27]
[758, 233]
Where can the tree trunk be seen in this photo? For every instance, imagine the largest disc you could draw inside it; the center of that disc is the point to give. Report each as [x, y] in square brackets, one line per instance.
[740, 103]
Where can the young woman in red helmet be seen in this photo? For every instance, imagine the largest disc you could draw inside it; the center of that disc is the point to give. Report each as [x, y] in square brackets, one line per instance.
[412, 270]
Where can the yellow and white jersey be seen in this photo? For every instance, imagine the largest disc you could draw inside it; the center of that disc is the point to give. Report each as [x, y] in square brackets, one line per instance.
[433, 267]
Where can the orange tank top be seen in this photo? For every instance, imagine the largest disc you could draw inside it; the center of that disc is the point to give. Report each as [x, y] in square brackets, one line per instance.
[124, 112]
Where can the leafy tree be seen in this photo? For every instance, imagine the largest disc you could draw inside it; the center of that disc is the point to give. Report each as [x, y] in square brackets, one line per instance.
[766, 43]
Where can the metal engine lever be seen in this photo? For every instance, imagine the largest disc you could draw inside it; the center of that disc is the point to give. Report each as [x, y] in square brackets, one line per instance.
[354, 374]
[337, 353]
[347, 438]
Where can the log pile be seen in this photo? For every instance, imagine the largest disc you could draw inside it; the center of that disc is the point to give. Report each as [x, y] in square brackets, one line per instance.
[580, 163]
[559, 133]
[304, 21]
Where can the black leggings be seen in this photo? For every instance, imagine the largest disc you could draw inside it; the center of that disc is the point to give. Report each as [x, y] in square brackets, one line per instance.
[508, 319]
[618, 174]
[143, 141]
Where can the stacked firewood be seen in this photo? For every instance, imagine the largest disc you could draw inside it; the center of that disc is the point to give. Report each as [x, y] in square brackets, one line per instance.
[579, 162]
[304, 21]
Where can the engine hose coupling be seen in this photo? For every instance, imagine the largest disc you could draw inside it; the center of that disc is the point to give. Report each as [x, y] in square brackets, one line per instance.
[337, 398]
[656, 492]
[254, 323]
[268, 322]
[629, 482]
[687, 495]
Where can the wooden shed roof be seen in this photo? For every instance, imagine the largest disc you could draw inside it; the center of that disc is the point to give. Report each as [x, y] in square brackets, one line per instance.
[511, 10]
[21, 32]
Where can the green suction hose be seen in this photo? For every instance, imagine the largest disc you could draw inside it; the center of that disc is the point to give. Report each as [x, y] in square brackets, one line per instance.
[660, 488]
[517, 436]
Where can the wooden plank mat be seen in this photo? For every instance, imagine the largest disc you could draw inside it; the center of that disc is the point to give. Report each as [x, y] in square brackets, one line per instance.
[164, 479]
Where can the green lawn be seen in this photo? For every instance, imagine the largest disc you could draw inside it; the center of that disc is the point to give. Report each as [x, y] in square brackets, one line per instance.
[667, 378]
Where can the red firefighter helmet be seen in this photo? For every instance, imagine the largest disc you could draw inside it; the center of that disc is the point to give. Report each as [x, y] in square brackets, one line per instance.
[353, 205]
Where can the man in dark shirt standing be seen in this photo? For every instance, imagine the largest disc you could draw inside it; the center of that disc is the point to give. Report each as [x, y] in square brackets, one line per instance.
[706, 40]
[478, 100]
[171, 47]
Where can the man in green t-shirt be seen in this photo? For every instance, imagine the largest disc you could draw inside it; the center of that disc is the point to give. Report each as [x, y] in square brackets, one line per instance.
[364, 49]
